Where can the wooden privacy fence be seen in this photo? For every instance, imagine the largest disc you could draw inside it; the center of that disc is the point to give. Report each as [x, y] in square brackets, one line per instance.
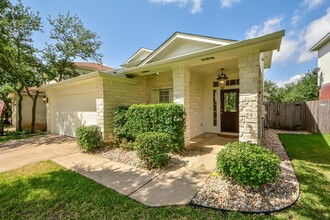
[312, 116]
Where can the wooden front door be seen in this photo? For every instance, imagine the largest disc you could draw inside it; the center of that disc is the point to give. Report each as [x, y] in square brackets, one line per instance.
[229, 110]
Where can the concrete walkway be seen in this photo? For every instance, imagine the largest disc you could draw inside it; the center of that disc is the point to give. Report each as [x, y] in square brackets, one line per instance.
[176, 186]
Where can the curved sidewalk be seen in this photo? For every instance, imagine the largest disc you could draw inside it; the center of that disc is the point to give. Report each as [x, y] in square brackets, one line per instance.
[176, 187]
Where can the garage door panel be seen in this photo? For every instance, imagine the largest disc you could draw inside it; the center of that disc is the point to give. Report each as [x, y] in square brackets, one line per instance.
[75, 110]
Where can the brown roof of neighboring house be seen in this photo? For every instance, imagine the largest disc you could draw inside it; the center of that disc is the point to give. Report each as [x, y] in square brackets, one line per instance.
[95, 66]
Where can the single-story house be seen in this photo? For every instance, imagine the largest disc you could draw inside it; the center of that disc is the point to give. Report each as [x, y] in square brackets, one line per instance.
[323, 70]
[41, 113]
[185, 69]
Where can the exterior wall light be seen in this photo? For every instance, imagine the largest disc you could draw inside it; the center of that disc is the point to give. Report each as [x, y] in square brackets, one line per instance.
[222, 77]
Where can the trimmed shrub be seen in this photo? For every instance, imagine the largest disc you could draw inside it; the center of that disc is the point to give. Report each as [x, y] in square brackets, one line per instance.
[113, 141]
[167, 118]
[119, 121]
[127, 145]
[248, 164]
[153, 149]
[88, 137]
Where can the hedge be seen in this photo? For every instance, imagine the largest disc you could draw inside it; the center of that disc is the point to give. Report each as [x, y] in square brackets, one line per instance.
[166, 118]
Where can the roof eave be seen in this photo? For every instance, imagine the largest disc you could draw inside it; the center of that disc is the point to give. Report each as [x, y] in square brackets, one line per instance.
[274, 36]
[320, 43]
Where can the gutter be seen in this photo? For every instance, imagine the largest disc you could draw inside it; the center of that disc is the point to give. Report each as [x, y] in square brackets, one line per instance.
[86, 77]
[235, 45]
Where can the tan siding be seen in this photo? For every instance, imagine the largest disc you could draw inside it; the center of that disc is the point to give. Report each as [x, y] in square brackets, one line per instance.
[196, 105]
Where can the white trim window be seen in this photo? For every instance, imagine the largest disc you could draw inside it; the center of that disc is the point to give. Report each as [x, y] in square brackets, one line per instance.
[162, 96]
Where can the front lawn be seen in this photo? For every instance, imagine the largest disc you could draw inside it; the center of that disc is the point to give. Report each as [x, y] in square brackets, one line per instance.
[17, 135]
[310, 155]
[48, 191]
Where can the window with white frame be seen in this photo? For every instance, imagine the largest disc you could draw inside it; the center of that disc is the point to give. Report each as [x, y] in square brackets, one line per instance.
[164, 96]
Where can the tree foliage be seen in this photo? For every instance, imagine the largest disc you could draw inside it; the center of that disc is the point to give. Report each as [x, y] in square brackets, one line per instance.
[305, 89]
[23, 66]
[71, 41]
[20, 65]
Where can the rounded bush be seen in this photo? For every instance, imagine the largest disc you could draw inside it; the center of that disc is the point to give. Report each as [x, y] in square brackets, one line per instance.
[88, 137]
[153, 149]
[248, 164]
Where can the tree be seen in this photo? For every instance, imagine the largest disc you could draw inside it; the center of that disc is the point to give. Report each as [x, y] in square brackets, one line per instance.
[19, 61]
[306, 89]
[274, 91]
[72, 41]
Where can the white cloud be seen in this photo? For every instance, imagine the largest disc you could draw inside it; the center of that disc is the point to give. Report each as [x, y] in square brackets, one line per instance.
[196, 5]
[288, 49]
[312, 4]
[293, 79]
[228, 3]
[305, 7]
[295, 19]
[312, 34]
[269, 26]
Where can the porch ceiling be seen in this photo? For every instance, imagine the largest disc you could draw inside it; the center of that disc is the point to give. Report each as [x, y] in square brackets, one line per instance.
[230, 66]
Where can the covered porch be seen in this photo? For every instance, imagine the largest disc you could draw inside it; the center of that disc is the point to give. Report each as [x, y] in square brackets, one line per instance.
[191, 79]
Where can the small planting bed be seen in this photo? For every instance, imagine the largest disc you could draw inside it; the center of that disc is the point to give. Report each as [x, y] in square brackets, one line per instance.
[223, 193]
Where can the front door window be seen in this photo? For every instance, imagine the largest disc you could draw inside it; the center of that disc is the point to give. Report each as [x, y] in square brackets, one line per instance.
[230, 100]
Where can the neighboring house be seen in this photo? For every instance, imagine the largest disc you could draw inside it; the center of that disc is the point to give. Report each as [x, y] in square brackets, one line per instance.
[88, 67]
[323, 49]
[41, 119]
[183, 70]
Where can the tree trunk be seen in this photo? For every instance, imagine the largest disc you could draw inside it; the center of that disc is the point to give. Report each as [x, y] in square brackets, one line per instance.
[34, 107]
[20, 118]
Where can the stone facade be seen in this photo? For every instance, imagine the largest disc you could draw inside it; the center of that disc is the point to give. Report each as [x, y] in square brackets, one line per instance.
[181, 95]
[250, 98]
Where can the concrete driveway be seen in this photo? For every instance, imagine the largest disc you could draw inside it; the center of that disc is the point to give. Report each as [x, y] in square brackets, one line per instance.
[18, 153]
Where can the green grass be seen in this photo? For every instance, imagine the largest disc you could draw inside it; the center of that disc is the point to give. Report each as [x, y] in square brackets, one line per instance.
[48, 191]
[310, 155]
[17, 135]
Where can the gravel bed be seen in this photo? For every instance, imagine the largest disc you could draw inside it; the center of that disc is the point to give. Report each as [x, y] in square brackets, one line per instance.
[219, 192]
[131, 158]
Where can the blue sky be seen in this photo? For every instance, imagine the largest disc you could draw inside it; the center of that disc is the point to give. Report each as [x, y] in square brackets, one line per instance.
[126, 25]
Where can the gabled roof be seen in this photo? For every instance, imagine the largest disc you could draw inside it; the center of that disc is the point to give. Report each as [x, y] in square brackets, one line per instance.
[93, 66]
[137, 57]
[263, 44]
[321, 43]
[183, 43]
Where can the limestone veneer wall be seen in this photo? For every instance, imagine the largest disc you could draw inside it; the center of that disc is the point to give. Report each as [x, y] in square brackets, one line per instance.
[250, 98]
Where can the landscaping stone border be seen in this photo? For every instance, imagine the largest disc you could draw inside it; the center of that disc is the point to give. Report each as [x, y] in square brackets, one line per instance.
[221, 193]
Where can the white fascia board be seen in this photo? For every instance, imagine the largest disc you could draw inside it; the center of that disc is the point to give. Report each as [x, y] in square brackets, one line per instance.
[321, 42]
[88, 76]
[244, 43]
[137, 53]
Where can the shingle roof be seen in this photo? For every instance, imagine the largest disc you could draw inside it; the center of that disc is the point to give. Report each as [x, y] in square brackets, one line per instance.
[94, 66]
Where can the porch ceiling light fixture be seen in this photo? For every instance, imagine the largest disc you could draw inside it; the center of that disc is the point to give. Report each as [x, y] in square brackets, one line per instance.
[222, 77]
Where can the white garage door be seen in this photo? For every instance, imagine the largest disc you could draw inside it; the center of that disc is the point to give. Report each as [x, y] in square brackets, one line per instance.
[74, 110]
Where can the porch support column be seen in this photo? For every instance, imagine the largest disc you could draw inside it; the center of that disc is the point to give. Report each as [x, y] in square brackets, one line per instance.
[100, 105]
[250, 98]
[181, 79]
